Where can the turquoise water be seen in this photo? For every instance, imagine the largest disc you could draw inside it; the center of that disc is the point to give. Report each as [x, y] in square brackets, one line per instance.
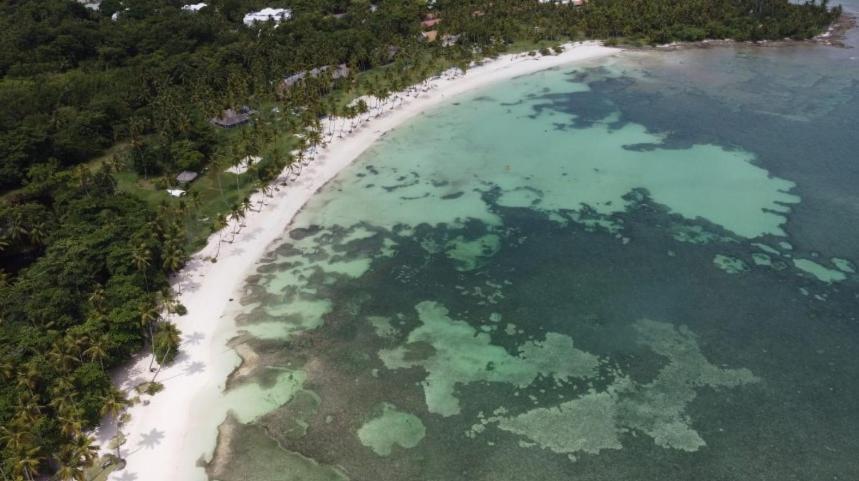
[639, 269]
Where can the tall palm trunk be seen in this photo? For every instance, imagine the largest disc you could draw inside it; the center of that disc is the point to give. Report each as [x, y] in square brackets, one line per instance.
[161, 363]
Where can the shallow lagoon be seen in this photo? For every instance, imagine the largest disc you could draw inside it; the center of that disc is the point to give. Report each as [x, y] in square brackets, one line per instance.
[638, 270]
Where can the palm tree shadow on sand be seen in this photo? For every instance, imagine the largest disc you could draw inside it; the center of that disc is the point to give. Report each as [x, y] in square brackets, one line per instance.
[152, 438]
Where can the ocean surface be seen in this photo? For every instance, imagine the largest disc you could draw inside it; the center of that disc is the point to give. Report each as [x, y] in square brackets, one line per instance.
[642, 268]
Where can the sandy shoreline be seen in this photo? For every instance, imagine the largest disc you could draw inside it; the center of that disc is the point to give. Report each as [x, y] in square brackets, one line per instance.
[168, 437]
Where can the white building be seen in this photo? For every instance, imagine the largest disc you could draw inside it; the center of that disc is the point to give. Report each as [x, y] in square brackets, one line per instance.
[194, 7]
[276, 15]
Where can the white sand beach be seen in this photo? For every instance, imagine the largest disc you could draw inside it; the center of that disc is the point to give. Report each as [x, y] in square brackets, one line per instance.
[177, 428]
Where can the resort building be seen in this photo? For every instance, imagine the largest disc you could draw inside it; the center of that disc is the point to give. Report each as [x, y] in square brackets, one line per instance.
[337, 72]
[275, 15]
[194, 7]
[430, 36]
[448, 40]
[430, 22]
[90, 4]
[244, 164]
[186, 177]
[233, 118]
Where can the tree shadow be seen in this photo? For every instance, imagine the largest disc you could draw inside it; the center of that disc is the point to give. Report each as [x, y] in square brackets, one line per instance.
[195, 367]
[152, 438]
[194, 338]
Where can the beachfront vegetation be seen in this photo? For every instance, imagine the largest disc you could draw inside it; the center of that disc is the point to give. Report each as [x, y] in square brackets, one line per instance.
[101, 108]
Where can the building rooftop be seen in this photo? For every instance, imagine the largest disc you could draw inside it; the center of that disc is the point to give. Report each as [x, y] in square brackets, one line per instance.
[276, 15]
[231, 118]
[186, 176]
[194, 7]
[448, 40]
[431, 22]
[340, 71]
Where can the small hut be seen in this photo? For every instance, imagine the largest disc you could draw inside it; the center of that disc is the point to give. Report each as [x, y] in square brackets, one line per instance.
[186, 177]
[430, 36]
[430, 23]
[233, 118]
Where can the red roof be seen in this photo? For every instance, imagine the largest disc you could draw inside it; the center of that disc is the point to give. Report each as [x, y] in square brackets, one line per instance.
[430, 23]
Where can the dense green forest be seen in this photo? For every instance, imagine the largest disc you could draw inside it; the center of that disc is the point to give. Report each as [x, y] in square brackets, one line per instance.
[102, 107]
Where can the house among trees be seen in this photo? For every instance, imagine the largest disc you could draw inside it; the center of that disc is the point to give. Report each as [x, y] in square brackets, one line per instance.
[233, 118]
[90, 4]
[194, 7]
[430, 36]
[448, 40]
[275, 15]
[186, 177]
[430, 21]
[338, 72]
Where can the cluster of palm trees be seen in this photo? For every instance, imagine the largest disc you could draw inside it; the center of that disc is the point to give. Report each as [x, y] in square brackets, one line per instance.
[42, 396]
[163, 336]
[49, 404]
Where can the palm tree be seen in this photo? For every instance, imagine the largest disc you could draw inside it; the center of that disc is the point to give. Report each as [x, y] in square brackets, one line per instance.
[218, 225]
[28, 462]
[82, 174]
[174, 258]
[113, 405]
[265, 190]
[16, 228]
[63, 400]
[12, 438]
[37, 234]
[167, 300]
[141, 257]
[29, 377]
[148, 316]
[84, 448]
[236, 215]
[70, 425]
[194, 201]
[169, 338]
[117, 442]
[97, 298]
[217, 164]
[114, 164]
[7, 369]
[97, 351]
[314, 138]
[69, 470]
[247, 205]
